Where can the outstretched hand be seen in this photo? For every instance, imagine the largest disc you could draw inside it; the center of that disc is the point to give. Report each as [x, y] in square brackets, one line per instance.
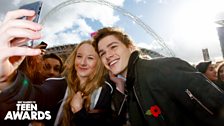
[13, 33]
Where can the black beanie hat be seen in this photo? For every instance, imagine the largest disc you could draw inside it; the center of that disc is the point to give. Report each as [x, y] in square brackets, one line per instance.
[203, 66]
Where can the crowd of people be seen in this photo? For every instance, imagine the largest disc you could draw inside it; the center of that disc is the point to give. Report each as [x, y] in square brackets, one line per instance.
[213, 72]
[105, 81]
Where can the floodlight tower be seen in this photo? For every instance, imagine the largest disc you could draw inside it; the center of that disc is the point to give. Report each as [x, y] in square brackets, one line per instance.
[220, 30]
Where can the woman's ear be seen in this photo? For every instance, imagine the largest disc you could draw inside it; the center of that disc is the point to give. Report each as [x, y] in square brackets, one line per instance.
[131, 48]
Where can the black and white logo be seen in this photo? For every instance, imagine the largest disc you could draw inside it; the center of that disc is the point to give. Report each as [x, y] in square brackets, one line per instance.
[27, 110]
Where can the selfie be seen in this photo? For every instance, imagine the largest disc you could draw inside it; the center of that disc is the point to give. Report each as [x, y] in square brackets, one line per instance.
[111, 63]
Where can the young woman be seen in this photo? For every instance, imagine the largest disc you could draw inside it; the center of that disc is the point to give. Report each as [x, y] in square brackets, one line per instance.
[220, 75]
[88, 101]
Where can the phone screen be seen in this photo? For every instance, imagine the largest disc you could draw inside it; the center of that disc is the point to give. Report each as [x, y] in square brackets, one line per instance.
[36, 6]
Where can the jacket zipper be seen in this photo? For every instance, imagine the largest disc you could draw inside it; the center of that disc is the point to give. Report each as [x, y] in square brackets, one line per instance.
[214, 85]
[125, 97]
[138, 100]
[199, 102]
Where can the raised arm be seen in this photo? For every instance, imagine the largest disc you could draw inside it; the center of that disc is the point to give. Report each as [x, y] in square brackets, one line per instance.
[15, 32]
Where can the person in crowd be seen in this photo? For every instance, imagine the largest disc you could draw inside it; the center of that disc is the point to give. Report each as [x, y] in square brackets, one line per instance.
[162, 91]
[53, 65]
[88, 101]
[14, 85]
[38, 69]
[220, 75]
[208, 69]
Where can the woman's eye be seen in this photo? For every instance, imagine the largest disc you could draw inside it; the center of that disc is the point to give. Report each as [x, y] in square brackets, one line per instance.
[78, 56]
[90, 58]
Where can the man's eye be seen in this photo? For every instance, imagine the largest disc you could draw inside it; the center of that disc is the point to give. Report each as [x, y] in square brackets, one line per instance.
[101, 54]
[114, 46]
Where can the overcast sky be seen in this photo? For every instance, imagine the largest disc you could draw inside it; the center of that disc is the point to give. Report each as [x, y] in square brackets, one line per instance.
[186, 26]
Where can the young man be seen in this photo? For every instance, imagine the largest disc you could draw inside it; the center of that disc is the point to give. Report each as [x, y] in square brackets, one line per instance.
[208, 69]
[161, 92]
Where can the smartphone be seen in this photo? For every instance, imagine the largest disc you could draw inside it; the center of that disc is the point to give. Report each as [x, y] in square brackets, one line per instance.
[36, 6]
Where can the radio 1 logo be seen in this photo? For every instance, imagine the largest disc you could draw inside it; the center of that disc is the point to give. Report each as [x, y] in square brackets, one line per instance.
[27, 110]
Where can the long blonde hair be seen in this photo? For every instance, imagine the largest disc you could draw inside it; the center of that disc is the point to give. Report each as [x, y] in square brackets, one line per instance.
[94, 81]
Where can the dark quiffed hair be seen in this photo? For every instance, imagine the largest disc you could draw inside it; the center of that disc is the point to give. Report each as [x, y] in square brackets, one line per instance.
[54, 56]
[203, 66]
[117, 32]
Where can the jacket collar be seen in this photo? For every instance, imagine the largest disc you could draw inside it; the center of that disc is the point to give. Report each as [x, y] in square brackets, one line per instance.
[131, 68]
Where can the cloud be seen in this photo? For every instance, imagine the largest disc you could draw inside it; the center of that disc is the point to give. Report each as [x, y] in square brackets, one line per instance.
[73, 18]
[166, 1]
[7, 5]
[154, 46]
[190, 48]
[116, 2]
[84, 28]
[16, 2]
[163, 1]
[194, 30]
[140, 1]
[61, 39]
[69, 24]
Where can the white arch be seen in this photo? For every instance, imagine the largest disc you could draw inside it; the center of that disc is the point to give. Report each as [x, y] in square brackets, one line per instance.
[138, 21]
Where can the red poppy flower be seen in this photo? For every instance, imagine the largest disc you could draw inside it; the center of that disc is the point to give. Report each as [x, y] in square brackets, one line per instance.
[155, 110]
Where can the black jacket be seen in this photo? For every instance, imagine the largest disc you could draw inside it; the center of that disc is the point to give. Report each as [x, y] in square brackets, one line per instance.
[170, 92]
[220, 84]
[47, 96]
[101, 115]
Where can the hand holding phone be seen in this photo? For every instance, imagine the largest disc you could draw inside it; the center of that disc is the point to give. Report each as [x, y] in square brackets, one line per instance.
[12, 34]
[36, 6]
